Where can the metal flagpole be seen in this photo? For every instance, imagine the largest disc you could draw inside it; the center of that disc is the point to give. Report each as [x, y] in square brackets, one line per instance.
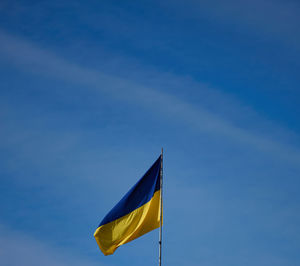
[161, 207]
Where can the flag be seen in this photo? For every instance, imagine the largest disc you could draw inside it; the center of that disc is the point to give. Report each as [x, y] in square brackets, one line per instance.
[136, 214]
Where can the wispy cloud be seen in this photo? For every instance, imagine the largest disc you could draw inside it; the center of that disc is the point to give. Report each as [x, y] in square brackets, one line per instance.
[17, 248]
[32, 58]
[272, 19]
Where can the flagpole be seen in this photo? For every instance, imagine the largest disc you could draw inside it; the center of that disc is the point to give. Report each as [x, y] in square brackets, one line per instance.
[161, 208]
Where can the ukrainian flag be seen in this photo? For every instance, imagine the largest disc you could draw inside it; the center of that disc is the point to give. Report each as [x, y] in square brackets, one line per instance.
[136, 214]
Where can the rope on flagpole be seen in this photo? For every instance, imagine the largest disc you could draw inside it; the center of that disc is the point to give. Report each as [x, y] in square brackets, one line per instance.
[161, 209]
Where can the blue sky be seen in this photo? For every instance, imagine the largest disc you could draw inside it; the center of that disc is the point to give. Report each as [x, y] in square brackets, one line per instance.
[91, 90]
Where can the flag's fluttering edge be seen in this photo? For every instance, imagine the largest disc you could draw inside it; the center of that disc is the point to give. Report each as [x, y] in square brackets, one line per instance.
[136, 214]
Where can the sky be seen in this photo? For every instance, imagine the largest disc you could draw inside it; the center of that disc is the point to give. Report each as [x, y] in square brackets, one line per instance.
[90, 91]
